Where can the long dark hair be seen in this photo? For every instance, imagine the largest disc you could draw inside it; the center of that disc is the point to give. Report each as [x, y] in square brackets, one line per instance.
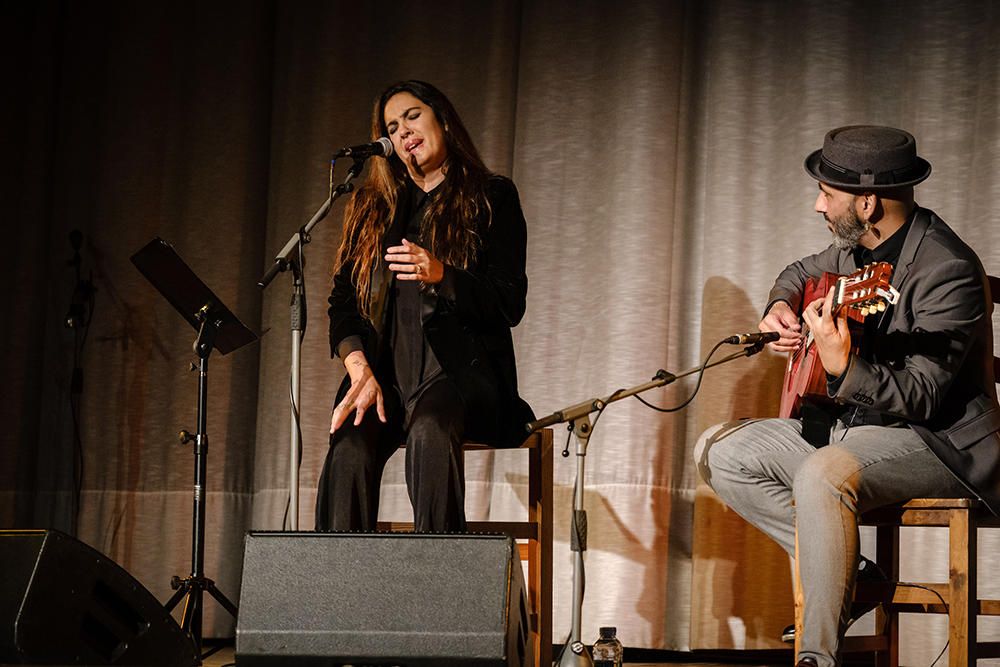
[449, 228]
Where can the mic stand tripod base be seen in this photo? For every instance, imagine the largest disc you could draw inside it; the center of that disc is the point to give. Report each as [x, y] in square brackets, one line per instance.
[570, 657]
[191, 589]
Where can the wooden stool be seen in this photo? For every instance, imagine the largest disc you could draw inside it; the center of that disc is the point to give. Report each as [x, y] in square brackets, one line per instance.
[962, 516]
[534, 537]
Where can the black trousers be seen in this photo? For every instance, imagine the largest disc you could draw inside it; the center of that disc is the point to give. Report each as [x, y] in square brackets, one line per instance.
[348, 493]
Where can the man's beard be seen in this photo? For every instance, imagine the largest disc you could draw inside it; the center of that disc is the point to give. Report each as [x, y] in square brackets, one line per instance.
[847, 229]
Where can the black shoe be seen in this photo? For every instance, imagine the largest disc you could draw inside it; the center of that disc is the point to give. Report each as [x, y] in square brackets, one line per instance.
[806, 662]
[868, 572]
[857, 611]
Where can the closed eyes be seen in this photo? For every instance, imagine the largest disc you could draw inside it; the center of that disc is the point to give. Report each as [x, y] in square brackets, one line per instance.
[412, 113]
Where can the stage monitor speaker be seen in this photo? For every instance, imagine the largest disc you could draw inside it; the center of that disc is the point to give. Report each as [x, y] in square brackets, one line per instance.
[381, 598]
[63, 603]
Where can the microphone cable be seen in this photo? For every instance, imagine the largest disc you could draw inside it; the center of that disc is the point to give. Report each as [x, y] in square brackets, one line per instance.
[697, 386]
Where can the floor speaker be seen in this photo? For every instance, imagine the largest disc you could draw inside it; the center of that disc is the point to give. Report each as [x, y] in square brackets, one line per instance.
[63, 603]
[381, 598]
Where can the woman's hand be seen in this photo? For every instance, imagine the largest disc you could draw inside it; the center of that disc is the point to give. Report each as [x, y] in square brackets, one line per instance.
[831, 334]
[411, 262]
[364, 392]
[782, 319]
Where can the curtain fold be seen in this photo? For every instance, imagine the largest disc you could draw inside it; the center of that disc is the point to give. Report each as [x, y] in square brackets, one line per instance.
[657, 148]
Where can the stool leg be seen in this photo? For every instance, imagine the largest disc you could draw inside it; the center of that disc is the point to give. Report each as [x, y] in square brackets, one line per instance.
[535, 552]
[540, 558]
[799, 598]
[545, 528]
[962, 603]
[886, 617]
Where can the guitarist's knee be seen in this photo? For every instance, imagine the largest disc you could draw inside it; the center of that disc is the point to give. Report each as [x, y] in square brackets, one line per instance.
[827, 480]
[719, 452]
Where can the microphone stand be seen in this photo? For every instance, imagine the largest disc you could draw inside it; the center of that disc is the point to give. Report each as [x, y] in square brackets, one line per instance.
[578, 417]
[292, 256]
[78, 318]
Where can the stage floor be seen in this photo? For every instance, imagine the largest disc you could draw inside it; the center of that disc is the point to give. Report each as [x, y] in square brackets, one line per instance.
[226, 657]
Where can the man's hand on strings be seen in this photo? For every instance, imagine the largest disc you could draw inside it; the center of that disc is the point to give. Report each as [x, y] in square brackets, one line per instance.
[782, 319]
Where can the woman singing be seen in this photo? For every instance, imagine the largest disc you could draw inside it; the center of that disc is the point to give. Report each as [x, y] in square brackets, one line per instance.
[429, 281]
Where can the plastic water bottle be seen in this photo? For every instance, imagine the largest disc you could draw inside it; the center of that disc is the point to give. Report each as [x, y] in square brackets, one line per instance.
[608, 650]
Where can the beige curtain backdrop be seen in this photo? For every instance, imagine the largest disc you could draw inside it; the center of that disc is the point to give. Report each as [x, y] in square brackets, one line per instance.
[657, 147]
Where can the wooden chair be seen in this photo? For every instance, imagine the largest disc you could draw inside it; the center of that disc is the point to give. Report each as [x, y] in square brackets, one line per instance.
[961, 516]
[958, 597]
[534, 537]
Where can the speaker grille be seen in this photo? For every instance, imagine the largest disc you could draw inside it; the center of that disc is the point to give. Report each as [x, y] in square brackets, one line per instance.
[381, 598]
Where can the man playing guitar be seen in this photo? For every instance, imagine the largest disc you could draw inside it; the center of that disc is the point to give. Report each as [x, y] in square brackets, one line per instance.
[910, 407]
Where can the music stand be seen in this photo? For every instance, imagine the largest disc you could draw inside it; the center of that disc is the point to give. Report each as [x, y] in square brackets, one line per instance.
[218, 329]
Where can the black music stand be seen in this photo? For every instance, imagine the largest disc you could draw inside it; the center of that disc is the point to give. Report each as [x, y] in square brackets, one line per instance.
[218, 329]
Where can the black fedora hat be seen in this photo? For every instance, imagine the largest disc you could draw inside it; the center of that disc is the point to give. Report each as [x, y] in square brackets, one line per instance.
[868, 157]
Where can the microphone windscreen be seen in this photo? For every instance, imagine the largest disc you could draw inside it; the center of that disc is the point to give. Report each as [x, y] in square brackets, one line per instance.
[386, 146]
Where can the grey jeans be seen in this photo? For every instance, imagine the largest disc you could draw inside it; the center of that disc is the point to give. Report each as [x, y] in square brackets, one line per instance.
[767, 473]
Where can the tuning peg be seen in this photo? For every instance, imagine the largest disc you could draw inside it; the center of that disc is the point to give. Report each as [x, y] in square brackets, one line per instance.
[881, 306]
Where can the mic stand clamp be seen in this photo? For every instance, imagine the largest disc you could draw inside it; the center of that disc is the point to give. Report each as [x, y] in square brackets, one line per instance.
[293, 257]
[578, 417]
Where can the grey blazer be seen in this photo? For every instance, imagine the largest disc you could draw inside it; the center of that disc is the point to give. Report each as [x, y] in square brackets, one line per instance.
[935, 362]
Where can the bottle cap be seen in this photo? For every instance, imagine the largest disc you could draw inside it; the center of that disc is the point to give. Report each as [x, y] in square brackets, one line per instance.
[608, 632]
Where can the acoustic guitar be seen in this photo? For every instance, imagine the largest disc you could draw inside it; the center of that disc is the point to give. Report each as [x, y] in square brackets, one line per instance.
[863, 293]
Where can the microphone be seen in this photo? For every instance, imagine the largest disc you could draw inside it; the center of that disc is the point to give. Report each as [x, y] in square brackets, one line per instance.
[381, 147]
[753, 338]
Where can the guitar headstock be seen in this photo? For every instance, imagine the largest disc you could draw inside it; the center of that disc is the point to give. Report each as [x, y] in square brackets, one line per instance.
[865, 292]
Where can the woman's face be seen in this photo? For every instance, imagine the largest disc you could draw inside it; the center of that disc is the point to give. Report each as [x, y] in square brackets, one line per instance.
[417, 138]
